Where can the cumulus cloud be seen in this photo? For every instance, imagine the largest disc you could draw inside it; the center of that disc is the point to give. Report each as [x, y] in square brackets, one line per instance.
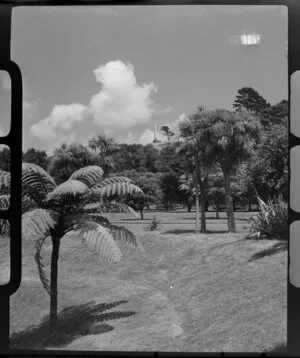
[147, 137]
[30, 108]
[121, 102]
[57, 128]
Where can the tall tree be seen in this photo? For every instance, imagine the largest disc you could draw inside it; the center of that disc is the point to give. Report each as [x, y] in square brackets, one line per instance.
[69, 158]
[233, 137]
[104, 147]
[166, 131]
[149, 183]
[130, 156]
[198, 153]
[36, 156]
[249, 99]
[62, 210]
[275, 114]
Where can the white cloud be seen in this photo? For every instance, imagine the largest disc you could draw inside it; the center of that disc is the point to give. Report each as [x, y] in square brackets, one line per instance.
[57, 128]
[121, 102]
[30, 108]
[147, 137]
[164, 110]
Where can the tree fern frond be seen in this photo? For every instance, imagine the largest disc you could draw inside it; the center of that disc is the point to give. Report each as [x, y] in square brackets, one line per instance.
[70, 188]
[4, 202]
[37, 223]
[4, 227]
[89, 222]
[39, 261]
[112, 207]
[4, 179]
[122, 234]
[112, 180]
[101, 242]
[117, 189]
[36, 181]
[89, 175]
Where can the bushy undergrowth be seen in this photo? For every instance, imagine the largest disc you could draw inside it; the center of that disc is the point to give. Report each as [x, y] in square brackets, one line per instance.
[271, 222]
[154, 225]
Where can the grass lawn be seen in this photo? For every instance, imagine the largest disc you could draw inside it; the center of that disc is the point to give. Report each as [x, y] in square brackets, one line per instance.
[185, 293]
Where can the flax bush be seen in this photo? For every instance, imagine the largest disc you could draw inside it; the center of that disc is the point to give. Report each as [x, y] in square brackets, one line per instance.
[271, 222]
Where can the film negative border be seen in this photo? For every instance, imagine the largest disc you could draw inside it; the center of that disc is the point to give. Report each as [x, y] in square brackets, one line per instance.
[14, 141]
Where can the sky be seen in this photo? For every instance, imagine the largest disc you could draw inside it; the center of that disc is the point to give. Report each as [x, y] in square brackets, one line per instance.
[120, 69]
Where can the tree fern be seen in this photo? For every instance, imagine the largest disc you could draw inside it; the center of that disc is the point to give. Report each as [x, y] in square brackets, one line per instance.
[39, 261]
[90, 175]
[122, 234]
[101, 242]
[112, 207]
[121, 188]
[69, 189]
[112, 180]
[4, 202]
[36, 178]
[4, 179]
[37, 223]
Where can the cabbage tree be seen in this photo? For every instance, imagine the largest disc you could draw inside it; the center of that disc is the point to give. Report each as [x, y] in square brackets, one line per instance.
[53, 211]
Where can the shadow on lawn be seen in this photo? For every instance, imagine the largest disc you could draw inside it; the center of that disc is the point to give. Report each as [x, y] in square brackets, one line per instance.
[182, 231]
[73, 322]
[278, 247]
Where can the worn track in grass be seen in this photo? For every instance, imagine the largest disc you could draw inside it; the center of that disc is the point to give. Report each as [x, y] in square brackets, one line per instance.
[187, 292]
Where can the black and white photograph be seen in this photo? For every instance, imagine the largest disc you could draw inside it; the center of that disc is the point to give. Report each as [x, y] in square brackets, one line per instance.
[155, 178]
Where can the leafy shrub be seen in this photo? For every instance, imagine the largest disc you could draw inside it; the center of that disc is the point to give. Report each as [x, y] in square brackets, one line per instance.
[154, 225]
[271, 222]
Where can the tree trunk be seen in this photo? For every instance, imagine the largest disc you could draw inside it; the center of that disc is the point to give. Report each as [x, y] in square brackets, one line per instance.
[189, 207]
[217, 208]
[229, 203]
[197, 228]
[142, 214]
[53, 285]
[249, 206]
[203, 208]
[233, 204]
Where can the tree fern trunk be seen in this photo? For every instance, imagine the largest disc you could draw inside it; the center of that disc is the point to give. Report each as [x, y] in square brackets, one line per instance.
[229, 203]
[53, 285]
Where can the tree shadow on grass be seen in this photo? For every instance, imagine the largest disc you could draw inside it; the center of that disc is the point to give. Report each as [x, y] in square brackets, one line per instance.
[182, 231]
[73, 322]
[278, 247]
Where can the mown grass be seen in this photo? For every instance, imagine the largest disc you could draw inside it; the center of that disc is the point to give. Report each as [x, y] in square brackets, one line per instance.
[185, 293]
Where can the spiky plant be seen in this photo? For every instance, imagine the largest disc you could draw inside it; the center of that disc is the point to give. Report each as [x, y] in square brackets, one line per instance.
[271, 222]
[53, 211]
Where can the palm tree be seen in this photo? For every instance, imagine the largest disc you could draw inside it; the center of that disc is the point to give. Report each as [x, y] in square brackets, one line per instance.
[198, 159]
[56, 211]
[232, 136]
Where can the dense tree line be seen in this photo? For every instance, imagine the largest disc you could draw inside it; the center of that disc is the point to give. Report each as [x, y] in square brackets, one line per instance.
[223, 160]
